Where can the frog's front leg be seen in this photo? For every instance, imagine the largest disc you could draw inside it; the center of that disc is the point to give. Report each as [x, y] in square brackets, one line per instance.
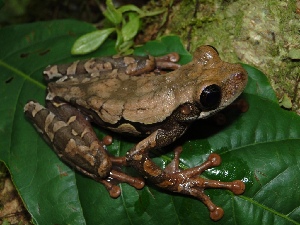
[75, 142]
[173, 179]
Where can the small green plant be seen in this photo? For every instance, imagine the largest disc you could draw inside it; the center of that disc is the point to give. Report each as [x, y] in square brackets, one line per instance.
[125, 21]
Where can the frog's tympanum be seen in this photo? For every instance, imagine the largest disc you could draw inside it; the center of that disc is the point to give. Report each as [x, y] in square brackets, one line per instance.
[130, 95]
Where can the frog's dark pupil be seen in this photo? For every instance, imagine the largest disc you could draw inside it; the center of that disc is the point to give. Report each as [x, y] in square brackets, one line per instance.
[210, 97]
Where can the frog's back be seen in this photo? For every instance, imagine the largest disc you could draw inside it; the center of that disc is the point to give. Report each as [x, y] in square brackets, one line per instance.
[115, 97]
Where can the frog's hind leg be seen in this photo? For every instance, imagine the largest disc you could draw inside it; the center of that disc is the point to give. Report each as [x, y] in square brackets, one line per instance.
[75, 142]
[131, 65]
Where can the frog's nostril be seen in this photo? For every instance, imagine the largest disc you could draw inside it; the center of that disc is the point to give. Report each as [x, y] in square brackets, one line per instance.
[240, 76]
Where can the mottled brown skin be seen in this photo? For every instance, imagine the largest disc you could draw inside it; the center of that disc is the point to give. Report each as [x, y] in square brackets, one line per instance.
[129, 95]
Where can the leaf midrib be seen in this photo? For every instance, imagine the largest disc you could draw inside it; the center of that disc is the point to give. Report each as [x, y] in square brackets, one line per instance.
[22, 74]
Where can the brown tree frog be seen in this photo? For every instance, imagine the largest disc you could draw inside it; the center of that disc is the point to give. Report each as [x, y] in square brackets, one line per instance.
[130, 95]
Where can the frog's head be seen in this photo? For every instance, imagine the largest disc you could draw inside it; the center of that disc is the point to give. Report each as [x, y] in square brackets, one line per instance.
[219, 82]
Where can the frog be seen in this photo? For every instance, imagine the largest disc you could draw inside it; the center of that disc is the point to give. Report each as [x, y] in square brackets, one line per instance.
[153, 98]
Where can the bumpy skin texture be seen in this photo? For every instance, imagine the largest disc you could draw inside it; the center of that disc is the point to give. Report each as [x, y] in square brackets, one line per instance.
[130, 95]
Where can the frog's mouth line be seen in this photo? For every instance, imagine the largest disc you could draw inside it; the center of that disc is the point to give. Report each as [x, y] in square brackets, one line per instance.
[204, 115]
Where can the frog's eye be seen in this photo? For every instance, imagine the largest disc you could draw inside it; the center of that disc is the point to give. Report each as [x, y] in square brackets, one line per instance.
[210, 97]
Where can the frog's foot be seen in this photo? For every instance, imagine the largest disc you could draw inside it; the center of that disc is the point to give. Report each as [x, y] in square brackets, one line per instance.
[75, 142]
[188, 182]
[115, 177]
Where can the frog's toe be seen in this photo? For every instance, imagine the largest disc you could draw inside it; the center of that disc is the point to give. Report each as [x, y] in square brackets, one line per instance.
[120, 177]
[217, 213]
[113, 190]
[237, 187]
[214, 159]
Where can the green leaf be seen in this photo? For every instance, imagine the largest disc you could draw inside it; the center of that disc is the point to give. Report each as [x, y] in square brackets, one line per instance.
[112, 14]
[130, 28]
[91, 41]
[126, 47]
[119, 40]
[152, 13]
[260, 146]
[127, 8]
